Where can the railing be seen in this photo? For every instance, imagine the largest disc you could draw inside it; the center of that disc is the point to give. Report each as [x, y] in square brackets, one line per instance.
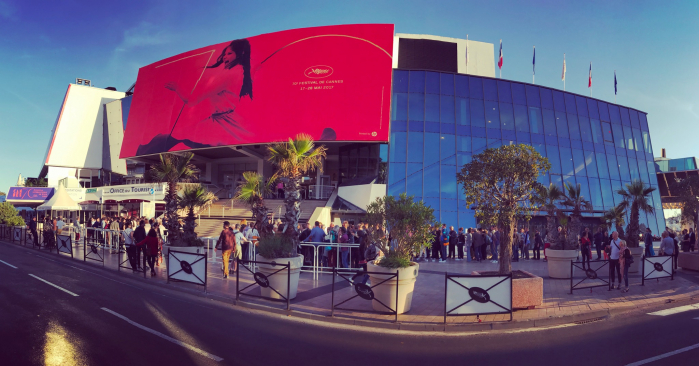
[319, 192]
[593, 277]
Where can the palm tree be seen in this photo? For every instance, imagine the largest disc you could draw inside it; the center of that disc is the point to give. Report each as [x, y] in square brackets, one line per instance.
[547, 198]
[635, 195]
[293, 159]
[574, 199]
[173, 169]
[198, 197]
[617, 216]
[251, 191]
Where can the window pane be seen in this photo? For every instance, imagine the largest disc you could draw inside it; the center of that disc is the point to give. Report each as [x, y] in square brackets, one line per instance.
[585, 131]
[624, 168]
[596, 131]
[492, 114]
[602, 166]
[416, 107]
[603, 111]
[579, 161]
[431, 152]
[417, 81]
[614, 114]
[507, 121]
[448, 183]
[607, 195]
[446, 108]
[592, 108]
[490, 90]
[607, 133]
[477, 113]
[561, 124]
[546, 98]
[504, 91]
[400, 81]
[476, 87]
[596, 194]
[396, 172]
[581, 103]
[461, 86]
[535, 123]
[414, 181]
[447, 147]
[625, 116]
[591, 164]
[415, 146]
[446, 84]
[399, 110]
[431, 181]
[554, 159]
[549, 122]
[633, 169]
[463, 115]
[618, 136]
[432, 82]
[398, 146]
[463, 143]
[613, 166]
[635, 123]
[570, 103]
[521, 120]
[533, 96]
[518, 94]
[566, 161]
[432, 107]
[559, 103]
[479, 144]
[638, 140]
[573, 127]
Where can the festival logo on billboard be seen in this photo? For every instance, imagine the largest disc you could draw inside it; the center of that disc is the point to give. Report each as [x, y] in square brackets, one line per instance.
[333, 83]
[29, 193]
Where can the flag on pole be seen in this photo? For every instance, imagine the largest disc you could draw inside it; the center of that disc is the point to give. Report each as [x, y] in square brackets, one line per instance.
[614, 82]
[500, 59]
[563, 76]
[467, 53]
[534, 62]
[589, 80]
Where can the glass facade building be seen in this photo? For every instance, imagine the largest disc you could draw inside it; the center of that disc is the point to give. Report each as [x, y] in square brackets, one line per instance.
[439, 120]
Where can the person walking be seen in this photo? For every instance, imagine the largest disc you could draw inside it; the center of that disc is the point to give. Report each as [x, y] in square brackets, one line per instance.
[538, 244]
[114, 227]
[150, 247]
[494, 246]
[344, 251]
[692, 239]
[32, 229]
[469, 244]
[516, 239]
[478, 242]
[139, 235]
[487, 242]
[614, 248]
[625, 260]
[685, 241]
[525, 244]
[453, 240]
[226, 242]
[586, 249]
[130, 244]
[598, 240]
[667, 245]
[648, 241]
[460, 242]
[443, 245]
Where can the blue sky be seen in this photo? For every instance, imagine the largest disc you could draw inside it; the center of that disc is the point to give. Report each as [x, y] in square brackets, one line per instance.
[45, 45]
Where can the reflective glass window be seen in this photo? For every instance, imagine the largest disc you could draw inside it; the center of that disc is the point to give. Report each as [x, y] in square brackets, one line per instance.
[414, 180]
[613, 166]
[581, 104]
[635, 123]
[463, 143]
[592, 109]
[643, 170]
[490, 89]
[614, 114]
[432, 107]
[638, 139]
[431, 152]
[396, 188]
[644, 121]
[476, 87]
[448, 184]
[494, 143]
[415, 146]
[492, 115]
[399, 109]
[549, 122]
[536, 124]
[557, 180]
[607, 194]
[584, 187]
[446, 85]
[416, 107]
[554, 158]
[628, 138]
[573, 127]
[477, 113]
[569, 180]
[504, 91]
[461, 86]
[561, 124]
[533, 96]
[602, 166]
[570, 103]
[624, 168]
[447, 147]
[521, 120]
[417, 81]
[546, 98]
[567, 166]
[596, 194]
[616, 186]
[446, 108]
[463, 159]
[396, 172]
[596, 131]
[433, 203]
[603, 111]
[579, 162]
[448, 212]
[559, 103]
[479, 144]
[507, 121]
[540, 148]
[607, 133]
[432, 82]
[585, 131]
[398, 146]
[463, 112]
[591, 164]
[633, 169]
[400, 81]
[518, 94]
[625, 120]
[431, 181]
[618, 134]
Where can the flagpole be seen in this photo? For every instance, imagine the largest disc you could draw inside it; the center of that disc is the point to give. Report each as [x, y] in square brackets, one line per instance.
[467, 53]
[614, 86]
[534, 67]
[590, 79]
[564, 72]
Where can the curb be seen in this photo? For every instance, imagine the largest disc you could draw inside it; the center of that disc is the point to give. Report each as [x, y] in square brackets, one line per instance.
[580, 318]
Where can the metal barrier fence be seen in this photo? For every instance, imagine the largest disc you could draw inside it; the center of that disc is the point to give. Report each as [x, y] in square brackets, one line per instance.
[264, 282]
[657, 268]
[64, 245]
[590, 275]
[91, 251]
[192, 267]
[17, 234]
[363, 291]
[477, 295]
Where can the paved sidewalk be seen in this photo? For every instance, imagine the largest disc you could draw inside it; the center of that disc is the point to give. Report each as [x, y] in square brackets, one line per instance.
[314, 296]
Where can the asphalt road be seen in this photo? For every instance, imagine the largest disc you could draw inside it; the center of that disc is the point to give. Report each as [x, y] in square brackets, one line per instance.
[115, 320]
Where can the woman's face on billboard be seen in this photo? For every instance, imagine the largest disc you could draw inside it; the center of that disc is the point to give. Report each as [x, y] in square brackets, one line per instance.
[229, 56]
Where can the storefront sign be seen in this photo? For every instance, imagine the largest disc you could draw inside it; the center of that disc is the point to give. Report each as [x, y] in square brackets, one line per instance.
[146, 192]
[28, 194]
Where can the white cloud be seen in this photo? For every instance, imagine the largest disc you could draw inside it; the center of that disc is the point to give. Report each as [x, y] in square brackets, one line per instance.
[144, 34]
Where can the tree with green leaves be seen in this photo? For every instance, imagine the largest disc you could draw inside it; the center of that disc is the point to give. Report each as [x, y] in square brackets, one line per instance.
[9, 215]
[406, 221]
[36, 182]
[251, 191]
[635, 197]
[293, 159]
[500, 184]
[173, 169]
[687, 192]
[193, 197]
[615, 218]
[578, 203]
[547, 199]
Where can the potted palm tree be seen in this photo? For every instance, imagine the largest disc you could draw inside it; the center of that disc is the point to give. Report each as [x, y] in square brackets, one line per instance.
[173, 169]
[565, 250]
[635, 196]
[251, 191]
[615, 218]
[194, 197]
[399, 227]
[557, 257]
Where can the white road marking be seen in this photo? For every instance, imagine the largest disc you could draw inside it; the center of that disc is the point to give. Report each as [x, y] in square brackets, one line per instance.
[161, 335]
[8, 264]
[664, 355]
[56, 286]
[677, 310]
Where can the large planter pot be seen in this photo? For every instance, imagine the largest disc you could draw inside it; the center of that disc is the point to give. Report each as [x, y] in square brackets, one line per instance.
[637, 254]
[278, 281]
[688, 260]
[527, 289]
[386, 292]
[559, 262]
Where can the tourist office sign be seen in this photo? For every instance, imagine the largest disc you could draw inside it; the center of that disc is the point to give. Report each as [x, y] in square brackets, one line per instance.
[146, 192]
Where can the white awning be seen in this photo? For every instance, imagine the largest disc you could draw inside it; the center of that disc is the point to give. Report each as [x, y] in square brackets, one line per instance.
[60, 201]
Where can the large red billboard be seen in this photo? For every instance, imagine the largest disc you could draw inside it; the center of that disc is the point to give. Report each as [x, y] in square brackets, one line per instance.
[332, 83]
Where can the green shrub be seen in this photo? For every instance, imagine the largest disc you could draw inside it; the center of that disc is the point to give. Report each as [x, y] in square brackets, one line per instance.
[9, 215]
[394, 261]
[273, 246]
